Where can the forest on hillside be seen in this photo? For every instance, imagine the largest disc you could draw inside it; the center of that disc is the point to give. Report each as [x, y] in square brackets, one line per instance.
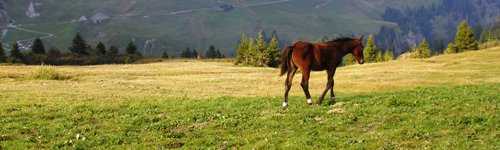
[436, 23]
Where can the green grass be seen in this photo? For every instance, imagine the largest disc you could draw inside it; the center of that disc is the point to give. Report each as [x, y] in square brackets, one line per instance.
[460, 117]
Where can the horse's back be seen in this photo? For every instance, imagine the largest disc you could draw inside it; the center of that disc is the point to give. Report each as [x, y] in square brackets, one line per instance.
[307, 55]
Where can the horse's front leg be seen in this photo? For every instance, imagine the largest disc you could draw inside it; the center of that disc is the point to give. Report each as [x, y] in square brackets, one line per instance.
[332, 94]
[329, 86]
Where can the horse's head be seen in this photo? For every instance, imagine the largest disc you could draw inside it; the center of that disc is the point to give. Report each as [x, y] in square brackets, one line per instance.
[357, 51]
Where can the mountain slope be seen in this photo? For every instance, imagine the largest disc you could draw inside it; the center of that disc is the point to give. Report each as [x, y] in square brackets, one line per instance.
[172, 25]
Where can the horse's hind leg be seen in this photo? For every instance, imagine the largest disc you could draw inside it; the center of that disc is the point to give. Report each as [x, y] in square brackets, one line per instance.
[288, 84]
[305, 84]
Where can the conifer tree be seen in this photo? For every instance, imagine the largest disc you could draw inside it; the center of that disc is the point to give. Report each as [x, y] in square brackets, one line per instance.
[53, 53]
[252, 54]
[348, 60]
[242, 49]
[388, 55]
[272, 53]
[101, 49]
[3, 57]
[164, 55]
[211, 52]
[370, 51]
[79, 45]
[38, 47]
[194, 54]
[380, 56]
[423, 50]
[464, 39]
[186, 53]
[15, 53]
[219, 54]
[113, 51]
[131, 48]
[451, 49]
[260, 49]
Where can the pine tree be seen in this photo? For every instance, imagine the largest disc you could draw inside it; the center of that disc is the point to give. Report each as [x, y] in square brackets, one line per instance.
[38, 47]
[451, 49]
[211, 52]
[79, 45]
[3, 57]
[486, 36]
[261, 47]
[388, 55]
[186, 53]
[273, 52]
[131, 48]
[348, 60]
[164, 55]
[252, 53]
[113, 51]
[464, 39]
[242, 50]
[194, 54]
[423, 50]
[53, 53]
[15, 53]
[370, 51]
[219, 54]
[101, 49]
[380, 56]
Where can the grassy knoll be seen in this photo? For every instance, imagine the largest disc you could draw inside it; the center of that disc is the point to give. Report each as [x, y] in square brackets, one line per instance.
[446, 102]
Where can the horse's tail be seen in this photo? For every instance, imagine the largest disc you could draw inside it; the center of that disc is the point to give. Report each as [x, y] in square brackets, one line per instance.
[286, 56]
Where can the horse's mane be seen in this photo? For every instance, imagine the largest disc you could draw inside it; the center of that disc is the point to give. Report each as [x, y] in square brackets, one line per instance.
[341, 39]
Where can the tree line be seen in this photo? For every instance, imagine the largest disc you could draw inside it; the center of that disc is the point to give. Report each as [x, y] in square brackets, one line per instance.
[79, 53]
[464, 40]
[211, 53]
[258, 51]
[433, 23]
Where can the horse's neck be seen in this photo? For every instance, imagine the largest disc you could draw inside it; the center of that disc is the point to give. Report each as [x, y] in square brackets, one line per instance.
[342, 50]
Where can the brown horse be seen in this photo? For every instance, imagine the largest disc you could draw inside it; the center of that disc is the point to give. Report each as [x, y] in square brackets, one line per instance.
[318, 57]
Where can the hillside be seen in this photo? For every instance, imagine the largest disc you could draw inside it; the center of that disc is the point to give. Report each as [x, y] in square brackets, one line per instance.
[446, 101]
[173, 25]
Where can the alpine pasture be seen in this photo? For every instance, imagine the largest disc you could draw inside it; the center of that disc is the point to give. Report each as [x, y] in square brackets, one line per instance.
[444, 102]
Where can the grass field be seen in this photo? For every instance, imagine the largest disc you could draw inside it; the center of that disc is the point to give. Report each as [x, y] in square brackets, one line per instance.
[446, 102]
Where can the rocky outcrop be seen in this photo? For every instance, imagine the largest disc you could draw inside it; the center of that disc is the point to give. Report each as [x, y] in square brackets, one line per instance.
[31, 11]
[4, 18]
[99, 18]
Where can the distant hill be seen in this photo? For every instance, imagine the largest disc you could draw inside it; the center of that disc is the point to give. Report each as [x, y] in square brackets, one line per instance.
[173, 25]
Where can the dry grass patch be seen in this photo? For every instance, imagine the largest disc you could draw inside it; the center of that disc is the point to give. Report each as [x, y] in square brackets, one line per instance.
[205, 79]
[47, 72]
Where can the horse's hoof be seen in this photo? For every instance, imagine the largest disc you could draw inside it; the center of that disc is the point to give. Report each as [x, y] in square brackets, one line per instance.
[284, 105]
[309, 101]
[332, 101]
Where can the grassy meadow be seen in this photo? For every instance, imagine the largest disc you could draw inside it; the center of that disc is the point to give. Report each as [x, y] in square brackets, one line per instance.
[445, 102]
